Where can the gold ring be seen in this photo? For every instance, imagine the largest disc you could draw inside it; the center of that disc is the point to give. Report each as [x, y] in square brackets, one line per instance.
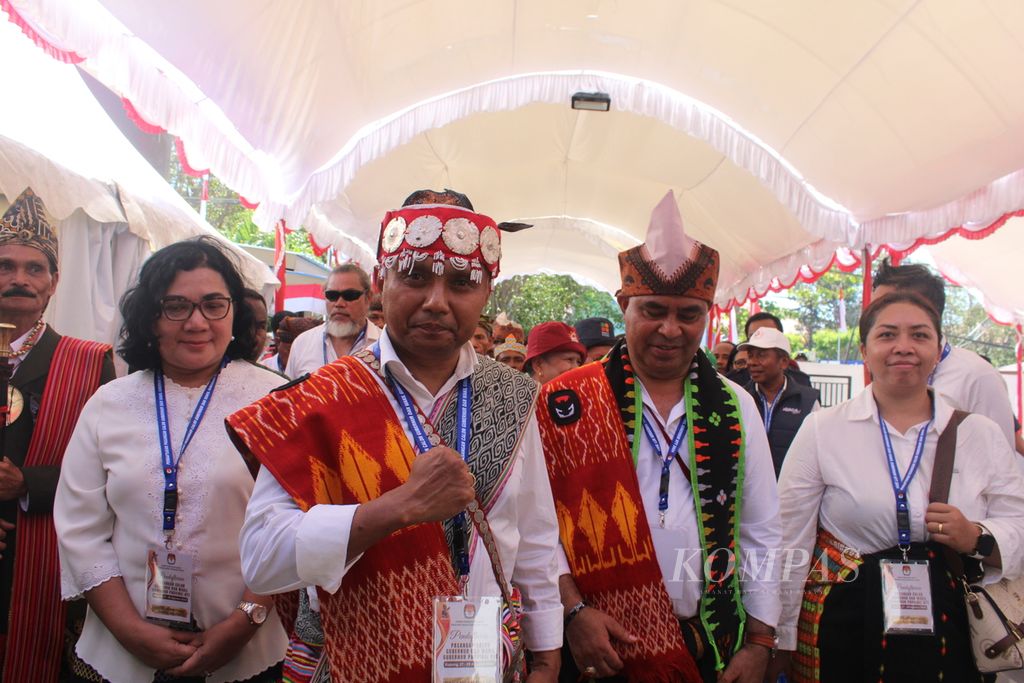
[940, 527]
[473, 478]
[591, 671]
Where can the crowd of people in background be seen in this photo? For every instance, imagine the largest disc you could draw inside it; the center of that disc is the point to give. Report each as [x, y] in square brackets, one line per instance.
[406, 448]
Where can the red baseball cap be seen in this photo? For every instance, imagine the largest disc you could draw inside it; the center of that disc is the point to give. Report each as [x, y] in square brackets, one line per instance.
[553, 336]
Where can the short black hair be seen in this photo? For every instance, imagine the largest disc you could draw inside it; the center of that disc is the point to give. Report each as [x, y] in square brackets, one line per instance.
[434, 197]
[140, 306]
[275, 320]
[732, 357]
[908, 296]
[915, 277]
[763, 315]
[249, 293]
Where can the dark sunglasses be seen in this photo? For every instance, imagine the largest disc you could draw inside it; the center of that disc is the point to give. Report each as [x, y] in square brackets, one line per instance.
[333, 295]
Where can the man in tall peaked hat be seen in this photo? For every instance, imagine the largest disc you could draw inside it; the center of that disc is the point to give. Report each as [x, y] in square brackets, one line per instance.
[663, 482]
[368, 465]
[53, 377]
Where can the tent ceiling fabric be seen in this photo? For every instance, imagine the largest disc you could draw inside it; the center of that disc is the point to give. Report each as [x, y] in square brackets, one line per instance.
[989, 268]
[56, 138]
[787, 129]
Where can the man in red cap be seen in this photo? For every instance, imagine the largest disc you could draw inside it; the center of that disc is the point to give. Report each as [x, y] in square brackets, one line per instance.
[376, 467]
[553, 348]
[663, 484]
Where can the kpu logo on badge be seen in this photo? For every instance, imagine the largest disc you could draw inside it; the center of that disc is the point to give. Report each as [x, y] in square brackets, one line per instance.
[564, 406]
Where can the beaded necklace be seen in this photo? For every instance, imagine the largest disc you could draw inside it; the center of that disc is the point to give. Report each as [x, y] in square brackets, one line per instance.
[32, 339]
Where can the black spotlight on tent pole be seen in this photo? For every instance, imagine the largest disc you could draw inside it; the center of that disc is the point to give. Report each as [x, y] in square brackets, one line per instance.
[591, 101]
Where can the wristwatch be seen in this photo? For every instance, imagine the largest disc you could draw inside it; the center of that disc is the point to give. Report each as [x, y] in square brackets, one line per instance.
[770, 641]
[986, 544]
[256, 612]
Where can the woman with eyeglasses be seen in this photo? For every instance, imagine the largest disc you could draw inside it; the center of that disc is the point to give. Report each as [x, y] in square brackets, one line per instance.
[152, 493]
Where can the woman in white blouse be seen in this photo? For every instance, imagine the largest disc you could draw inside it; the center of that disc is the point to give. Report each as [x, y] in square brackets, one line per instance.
[838, 494]
[151, 484]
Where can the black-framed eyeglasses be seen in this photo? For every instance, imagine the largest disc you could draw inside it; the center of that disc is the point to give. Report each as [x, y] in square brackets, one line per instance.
[333, 295]
[178, 308]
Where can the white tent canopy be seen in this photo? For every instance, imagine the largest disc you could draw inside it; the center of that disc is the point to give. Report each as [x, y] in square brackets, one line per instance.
[787, 129]
[990, 268]
[110, 206]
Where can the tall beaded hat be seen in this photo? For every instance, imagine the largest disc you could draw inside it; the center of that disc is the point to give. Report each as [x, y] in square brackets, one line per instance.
[442, 233]
[669, 262]
[25, 223]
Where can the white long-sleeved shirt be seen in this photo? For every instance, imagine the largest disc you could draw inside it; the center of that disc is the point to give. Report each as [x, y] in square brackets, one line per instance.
[312, 349]
[970, 383]
[284, 548]
[109, 504]
[760, 529]
[836, 477]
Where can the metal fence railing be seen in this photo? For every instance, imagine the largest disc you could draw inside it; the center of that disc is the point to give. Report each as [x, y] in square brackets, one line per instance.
[834, 389]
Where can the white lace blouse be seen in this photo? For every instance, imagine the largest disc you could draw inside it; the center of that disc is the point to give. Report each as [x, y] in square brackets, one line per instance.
[108, 510]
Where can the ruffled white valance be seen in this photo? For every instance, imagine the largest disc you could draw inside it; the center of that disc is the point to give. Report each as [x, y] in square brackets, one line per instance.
[783, 140]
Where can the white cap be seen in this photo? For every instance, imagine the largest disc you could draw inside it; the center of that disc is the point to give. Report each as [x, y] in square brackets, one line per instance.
[768, 338]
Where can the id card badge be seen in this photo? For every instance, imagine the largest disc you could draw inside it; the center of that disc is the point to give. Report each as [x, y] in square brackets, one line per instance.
[907, 597]
[168, 586]
[672, 556]
[467, 640]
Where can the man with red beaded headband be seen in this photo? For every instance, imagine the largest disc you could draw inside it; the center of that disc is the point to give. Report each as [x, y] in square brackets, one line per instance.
[368, 465]
[53, 377]
[664, 488]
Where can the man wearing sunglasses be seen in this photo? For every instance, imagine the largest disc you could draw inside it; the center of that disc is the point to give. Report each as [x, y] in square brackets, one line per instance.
[347, 295]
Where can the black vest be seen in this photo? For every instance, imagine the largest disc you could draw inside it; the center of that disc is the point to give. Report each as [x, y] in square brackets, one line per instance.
[794, 405]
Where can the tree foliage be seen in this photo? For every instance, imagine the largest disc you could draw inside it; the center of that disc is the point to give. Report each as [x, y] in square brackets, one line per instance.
[817, 304]
[965, 322]
[533, 299]
[227, 215]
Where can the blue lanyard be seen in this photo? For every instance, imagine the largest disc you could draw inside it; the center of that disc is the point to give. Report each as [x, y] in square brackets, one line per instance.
[899, 486]
[945, 352]
[769, 409]
[167, 459]
[666, 460]
[463, 432]
[355, 344]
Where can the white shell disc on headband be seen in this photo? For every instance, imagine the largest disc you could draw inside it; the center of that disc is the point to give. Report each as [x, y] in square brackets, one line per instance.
[423, 231]
[461, 236]
[490, 245]
[393, 234]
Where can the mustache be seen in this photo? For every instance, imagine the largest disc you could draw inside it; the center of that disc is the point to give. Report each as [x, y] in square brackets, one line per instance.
[658, 340]
[18, 291]
[440, 322]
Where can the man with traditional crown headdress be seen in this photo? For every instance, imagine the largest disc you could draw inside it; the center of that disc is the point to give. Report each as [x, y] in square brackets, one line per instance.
[53, 376]
[664, 487]
[361, 489]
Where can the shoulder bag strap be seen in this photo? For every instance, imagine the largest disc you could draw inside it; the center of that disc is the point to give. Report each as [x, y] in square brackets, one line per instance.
[516, 663]
[479, 517]
[942, 474]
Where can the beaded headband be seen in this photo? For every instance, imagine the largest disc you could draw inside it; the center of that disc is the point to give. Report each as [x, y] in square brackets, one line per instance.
[443, 233]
